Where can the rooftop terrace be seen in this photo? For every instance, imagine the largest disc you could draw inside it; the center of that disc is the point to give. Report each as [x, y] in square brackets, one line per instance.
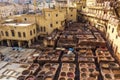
[17, 24]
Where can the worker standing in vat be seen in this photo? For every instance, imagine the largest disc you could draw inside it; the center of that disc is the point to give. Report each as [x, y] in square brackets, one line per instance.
[1, 56]
[70, 51]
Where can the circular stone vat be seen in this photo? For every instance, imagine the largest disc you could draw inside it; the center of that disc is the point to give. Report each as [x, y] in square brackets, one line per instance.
[21, 78]
[50, 73]
[52, 69]
[47, 65]
[83, 75]
[48, 78]
[83, 69]
[64, 69]
[30, 78]
[70, 74]
[26, 72]
[91, 69]
[70, 79]
[71, 65]
[117, 76]
[113, 65]
[63, 73]
[62, 78]
[71, 69]
[82, 64]
[65, 64]
[40, 77]
[108, 76]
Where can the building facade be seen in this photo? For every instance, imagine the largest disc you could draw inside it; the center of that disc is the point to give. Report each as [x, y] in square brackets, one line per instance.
[17, 34]
[104, 16]
[10, 9]
[6, 9]
[18, 30]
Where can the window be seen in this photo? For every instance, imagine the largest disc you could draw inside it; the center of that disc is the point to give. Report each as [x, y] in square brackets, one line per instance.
[41, 29]
[24, 34]
[71, 15]
[6, 33]
[112, 30]
[56, 15]
[109, 27]
[48, 14]
[30, 32]
[2, 33]
[25, 19]
[34, 31]
[19, 34]
[51, 25]
[116, 37]
[12, 32]
[44, 29]
[83, 6]
[56, 22]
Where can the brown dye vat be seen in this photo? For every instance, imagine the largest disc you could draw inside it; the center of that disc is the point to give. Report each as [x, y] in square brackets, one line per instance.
[71, 58]
[70, 74]
[91, 78]
[92, 75]
[26, 72]
[47, 65]
[21, 78]
[91, 65]
[62, 78]
[71, 69]
[34, 66]
[30, 78]
[40, 77]
[108, 76]
[107, 54]
[91, 70]
[109, 58]
[90, 59]
[117, 76]
[63, 73]
[52, 69]
[71, 65]
[83, 69]
[48, 78]
[82, 64]
[64, 64]
[70, 79]
[116, 71]
[113, 65]
[105, 70]
[83, 75]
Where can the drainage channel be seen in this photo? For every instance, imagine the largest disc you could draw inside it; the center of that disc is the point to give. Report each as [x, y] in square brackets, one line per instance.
[77, 72]
[97, 66]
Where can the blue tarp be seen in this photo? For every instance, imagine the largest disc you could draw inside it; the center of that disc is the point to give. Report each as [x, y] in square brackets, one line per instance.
[71, 49]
